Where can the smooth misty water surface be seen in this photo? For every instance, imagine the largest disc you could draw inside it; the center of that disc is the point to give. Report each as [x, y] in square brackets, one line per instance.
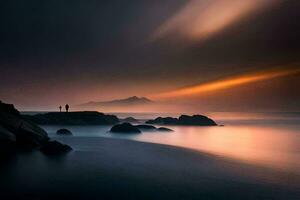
[271, 140]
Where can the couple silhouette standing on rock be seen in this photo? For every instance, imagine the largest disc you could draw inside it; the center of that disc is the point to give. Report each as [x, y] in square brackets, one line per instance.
[66, 107]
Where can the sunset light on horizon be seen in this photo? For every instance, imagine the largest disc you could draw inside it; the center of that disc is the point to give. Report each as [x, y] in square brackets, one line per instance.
[227, 83]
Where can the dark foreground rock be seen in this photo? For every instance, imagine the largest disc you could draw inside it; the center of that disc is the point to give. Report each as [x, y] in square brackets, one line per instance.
[124, 128]
[55, 148]
[195, 120]
[63, 131]
[73, 118]
[17, 133]
[8, 142]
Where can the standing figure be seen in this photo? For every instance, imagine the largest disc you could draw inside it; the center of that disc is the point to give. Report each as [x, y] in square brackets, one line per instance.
[67, 107]
[60, 108]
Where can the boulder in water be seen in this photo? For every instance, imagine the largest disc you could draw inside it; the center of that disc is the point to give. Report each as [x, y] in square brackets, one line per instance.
[63, 131]
[146, 127]
[195, 120]
[164, 129]
[124, 128]
[163, 120]
[55, 148]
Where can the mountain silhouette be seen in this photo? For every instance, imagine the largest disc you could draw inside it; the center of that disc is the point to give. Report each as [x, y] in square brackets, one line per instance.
[130, 101]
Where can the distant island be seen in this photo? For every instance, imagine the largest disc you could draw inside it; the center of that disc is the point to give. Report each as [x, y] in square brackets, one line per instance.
[130, 101]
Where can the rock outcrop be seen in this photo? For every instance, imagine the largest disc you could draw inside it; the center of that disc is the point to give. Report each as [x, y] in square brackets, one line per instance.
[63, 131]
[17, 133]
[163, 120]
[124, 128]
[73, 118]
[195, 120]
[55, 148]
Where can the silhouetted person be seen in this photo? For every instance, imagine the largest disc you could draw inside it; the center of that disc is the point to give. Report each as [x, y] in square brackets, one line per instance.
[60, 108]
[67, 107]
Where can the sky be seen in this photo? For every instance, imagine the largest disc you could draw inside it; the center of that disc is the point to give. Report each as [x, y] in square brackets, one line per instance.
[74, 51]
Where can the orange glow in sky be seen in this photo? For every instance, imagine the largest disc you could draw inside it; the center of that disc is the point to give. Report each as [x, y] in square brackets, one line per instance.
[227, 83]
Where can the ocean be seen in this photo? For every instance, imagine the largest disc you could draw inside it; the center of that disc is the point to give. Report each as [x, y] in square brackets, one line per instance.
[266, 139]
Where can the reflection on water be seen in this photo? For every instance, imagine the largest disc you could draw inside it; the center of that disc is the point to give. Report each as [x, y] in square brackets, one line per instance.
[276, 146]
[274, 141]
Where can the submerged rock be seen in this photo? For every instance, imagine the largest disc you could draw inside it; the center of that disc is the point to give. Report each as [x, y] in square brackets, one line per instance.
[164, 129]
[63, 131]
[195, 120]
[124, 128]
[146, 127]
[55, 148]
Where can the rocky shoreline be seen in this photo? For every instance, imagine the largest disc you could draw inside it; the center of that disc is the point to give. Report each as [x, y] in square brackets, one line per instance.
[73, 118]
[19, 134]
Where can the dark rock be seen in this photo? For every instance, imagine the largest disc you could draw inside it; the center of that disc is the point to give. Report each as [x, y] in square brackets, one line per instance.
[6, 135]
[164, 129]
[146, 127]
[7, 141]
[63, 131]
[198, 120]
[55, 148]
[73, 118]
[124, 128]
[19, 134]
[18, 131]
[195, 120]
[8, 108]
[161, 120]
[130, 120]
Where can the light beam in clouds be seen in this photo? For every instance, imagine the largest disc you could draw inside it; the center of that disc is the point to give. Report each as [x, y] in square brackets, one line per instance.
[228, 83]
[199, 19]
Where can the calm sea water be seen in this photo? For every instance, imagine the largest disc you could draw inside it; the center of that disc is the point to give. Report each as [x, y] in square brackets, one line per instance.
[269, 139]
